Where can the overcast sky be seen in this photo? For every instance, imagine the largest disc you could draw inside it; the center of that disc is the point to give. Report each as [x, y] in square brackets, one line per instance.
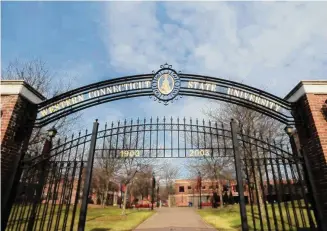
[268, 45]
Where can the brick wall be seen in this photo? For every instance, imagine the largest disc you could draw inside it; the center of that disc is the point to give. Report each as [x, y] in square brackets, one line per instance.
[17, 117]
[313, 139]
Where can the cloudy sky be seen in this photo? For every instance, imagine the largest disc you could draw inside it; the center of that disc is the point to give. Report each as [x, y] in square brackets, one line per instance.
[268, 45]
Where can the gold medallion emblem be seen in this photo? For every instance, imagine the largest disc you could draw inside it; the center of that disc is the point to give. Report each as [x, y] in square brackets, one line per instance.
[166, 84]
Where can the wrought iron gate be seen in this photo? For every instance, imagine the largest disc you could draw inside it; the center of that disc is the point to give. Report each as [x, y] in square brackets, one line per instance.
[274, 190]
[53, 190]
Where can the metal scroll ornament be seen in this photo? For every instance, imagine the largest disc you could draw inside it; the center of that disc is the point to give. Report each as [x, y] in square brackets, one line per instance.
[166, 84]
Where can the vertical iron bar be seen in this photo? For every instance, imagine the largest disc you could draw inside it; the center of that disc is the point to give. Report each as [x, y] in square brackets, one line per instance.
[26, 206]
[178, 135]
[299, 203]
[70, 193]
[26, 211]
[282, 190]
[191, 126]
[62, 194]
[144, 132]
[253, 167]
[104, 137]
[110, 141]
[50, 186]
[248, 180]
[211, 147]
[217, 130]
[185, 135]
[204, 134]
[54, 196]
[290, 188]
[65, 183]
[130, 137]
[197, 133]
[259, 158]
[117, 133]
[224, 137]
[263, 193]
[77, 195]
[137, 133]
[164, 119]
[124, 134]
[157, 136]
[150, 137]
[276, 189]
[272, 202]
[171, 136]
[103, 142]
[238, 167]
[86, 190]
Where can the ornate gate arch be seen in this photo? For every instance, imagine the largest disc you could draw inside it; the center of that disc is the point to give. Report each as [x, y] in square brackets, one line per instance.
[152, 85]
[273, 189]
[47, 190]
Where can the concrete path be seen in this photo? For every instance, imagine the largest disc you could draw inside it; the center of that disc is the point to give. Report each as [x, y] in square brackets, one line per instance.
[175, 219]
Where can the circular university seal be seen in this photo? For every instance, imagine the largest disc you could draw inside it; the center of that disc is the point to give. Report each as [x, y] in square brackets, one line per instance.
[166, 84]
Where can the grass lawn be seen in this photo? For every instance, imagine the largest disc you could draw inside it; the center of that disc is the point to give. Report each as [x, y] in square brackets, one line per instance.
[228, 218]
[102, 219]
[98, 219]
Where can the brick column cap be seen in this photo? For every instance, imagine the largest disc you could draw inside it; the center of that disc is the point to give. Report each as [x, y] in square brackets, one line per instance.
[306, 87]
[20, 87]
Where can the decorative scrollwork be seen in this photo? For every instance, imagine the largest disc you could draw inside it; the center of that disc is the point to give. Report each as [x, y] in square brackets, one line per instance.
[166, 84]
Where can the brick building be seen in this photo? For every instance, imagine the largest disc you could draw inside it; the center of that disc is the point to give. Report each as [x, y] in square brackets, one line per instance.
[186, 191]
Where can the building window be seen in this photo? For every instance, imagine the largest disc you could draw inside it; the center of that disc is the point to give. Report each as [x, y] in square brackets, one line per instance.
[210, 187]
[203, 187]
[189, 187]
[181, 188]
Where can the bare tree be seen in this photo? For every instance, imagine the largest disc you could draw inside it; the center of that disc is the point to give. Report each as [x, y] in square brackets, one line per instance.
[141, 185]
[105, 173]
[130, 167]
[37, 74]
[250, 124]
[168, 173]
[217, 159]
[248, 121]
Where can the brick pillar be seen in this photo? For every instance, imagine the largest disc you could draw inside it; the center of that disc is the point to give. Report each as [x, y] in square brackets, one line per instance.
[18, 113]
[309, 98]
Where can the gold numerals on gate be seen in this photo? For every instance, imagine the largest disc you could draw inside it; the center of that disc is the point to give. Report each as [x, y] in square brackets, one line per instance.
[129, 153]
[200, 152]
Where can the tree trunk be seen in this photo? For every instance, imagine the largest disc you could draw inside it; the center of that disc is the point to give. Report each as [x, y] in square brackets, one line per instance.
[125, 200]
[220, 194]
[103, 198]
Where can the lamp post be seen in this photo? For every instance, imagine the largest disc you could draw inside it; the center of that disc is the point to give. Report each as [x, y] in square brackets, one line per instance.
[200, 185]
[121, 195]
[158, 195]
[153, 187]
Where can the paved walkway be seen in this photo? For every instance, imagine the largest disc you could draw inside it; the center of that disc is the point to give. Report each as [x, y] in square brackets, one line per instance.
[175, 219]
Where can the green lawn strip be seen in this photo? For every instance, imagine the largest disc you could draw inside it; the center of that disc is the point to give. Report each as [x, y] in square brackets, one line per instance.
[228, 218]
[111, 219]
[222, 219]
[108, 218]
